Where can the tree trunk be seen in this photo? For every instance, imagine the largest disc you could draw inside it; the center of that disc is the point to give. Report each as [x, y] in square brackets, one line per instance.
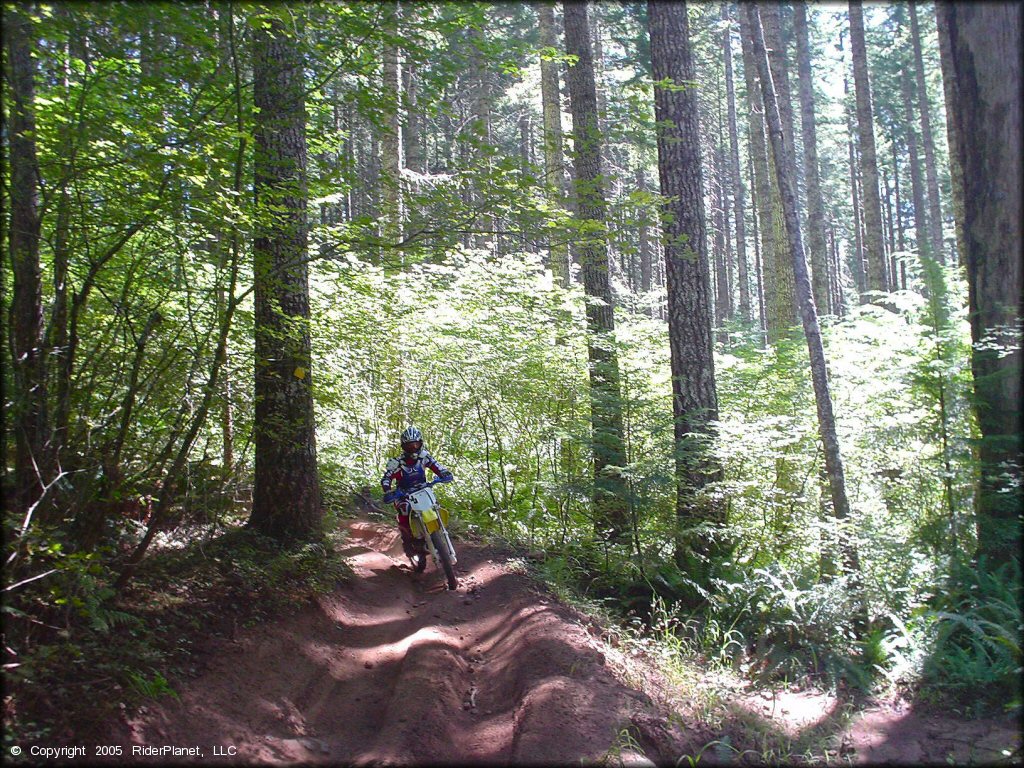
[30, 418]
[286, 497]
[415, 158]
[777, 269]
[924, 246]
[815, 201]
[986, 45]
[898, 214]
[554, 160]
[762, 181]
[756, 240]
[739, 194]
[930, 174]
[645, 240]
[809, 316]
[610, 510]
[890, 223]
[872, 208]
[695, 400]
[857, 257]
[719, 254]
[949, 86]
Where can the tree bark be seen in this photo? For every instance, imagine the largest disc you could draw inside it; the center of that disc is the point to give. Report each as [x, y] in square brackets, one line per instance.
[695, 399]
[286, 497]
[949, 86]
[930, 173]
[986, 43]
[815, 201]
[872, 208]
[611, 518]
[808, 314]
[30, 418]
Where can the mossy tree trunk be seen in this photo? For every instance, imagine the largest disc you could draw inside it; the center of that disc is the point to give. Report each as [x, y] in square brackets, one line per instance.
[286, 497]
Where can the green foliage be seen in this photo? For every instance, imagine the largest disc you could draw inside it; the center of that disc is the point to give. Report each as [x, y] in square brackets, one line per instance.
[80, 649]
[976, 634]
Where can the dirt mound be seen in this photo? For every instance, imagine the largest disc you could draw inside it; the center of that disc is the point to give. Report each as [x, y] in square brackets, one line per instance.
[393, 668]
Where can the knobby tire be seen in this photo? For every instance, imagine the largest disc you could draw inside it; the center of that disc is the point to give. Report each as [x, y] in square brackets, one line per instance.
[445, 557]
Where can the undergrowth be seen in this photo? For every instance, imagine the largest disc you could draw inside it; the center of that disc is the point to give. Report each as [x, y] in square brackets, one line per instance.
[77, 651]
[959, 649]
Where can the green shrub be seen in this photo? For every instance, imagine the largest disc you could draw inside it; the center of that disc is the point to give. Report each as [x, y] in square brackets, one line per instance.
[976, 636]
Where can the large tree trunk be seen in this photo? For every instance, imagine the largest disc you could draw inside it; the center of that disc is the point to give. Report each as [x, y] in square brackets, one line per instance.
[986, 45]
[610, 509]
[872, 207]
[30, 419]
[815, 201]
[738, 193]
[956, 172]
[286, 497]
[694, 397]
[930, 174]
[554, 160]
[808, 313]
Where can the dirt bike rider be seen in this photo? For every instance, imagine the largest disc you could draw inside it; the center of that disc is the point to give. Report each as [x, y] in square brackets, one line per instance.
[409, 471]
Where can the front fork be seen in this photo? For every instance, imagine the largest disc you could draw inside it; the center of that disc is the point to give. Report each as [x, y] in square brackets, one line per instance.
[421, 532]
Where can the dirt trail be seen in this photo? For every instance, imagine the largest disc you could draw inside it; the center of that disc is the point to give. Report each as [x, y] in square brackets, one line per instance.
[393, 668]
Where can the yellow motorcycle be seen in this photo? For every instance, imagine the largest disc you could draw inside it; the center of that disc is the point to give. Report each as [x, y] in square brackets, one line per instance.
[428, 521]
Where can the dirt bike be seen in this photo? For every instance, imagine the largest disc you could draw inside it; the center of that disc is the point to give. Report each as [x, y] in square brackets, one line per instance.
[428, 519]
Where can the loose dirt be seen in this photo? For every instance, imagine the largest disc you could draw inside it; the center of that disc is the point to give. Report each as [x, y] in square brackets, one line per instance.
[392, 668]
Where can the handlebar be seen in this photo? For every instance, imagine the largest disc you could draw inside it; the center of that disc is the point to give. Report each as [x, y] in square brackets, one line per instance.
[399, 493]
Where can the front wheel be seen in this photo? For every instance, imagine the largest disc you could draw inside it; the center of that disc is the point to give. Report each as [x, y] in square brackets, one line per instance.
[441, 546]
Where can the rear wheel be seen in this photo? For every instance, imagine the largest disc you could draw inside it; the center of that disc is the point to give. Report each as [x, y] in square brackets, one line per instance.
[445, 557]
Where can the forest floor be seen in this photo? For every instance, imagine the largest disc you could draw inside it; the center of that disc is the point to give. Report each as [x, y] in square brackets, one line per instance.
[391, 668]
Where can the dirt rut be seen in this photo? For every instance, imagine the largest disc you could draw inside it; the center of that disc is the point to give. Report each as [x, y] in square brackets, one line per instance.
[394, 669]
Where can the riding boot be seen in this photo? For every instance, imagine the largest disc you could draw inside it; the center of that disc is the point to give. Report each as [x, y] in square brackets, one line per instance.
[407, 542]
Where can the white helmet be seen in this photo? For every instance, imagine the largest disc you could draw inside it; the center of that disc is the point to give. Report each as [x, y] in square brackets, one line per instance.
[412, 435]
